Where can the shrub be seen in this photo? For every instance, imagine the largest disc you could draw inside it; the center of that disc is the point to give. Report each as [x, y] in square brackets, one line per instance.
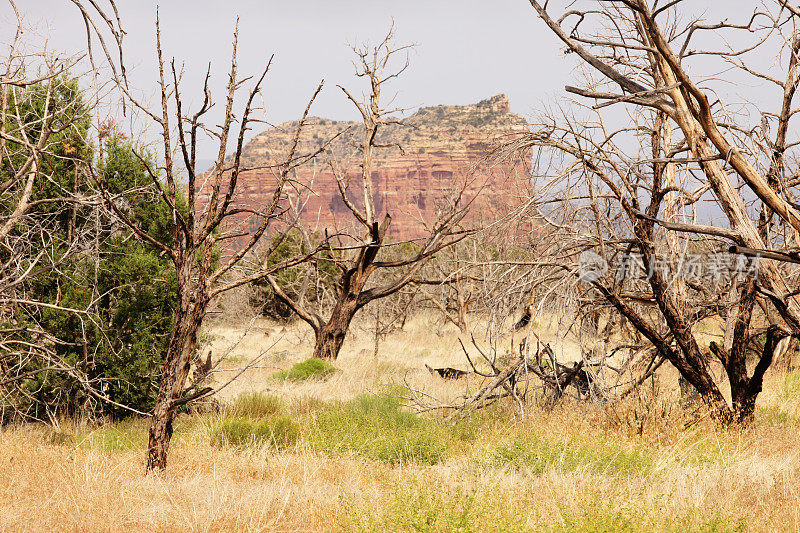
[375, 427]
[310, 369]
[278, 431]
[121, 346]
[255, 405]
[537, 455]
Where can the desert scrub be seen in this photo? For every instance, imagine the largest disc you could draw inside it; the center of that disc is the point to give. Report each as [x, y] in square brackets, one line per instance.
[474, 422]
[774, 416]
[791, 386]
[425, 507]
[429, 507]
[278, 431]
[255, 405]
[601, 515]
[126, 435]
[305, 405]
[537, 455]
[310, 369]
[375, 427]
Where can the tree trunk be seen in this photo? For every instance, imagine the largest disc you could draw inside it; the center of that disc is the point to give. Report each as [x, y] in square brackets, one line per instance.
[462, 320]
[164, 412]
[462, 302]
[744, 392]
[188, 317]
[330, 337]
[689, 396]
[160, 434]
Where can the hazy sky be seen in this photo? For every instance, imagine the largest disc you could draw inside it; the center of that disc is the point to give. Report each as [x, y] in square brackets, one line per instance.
[467, 49]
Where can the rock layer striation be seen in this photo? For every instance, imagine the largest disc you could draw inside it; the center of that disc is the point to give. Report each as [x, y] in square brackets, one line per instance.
[432, 157]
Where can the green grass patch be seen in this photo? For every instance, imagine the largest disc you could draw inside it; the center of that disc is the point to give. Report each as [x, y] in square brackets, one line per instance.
[123, 436]
[467, 429]
[118, 438]
[774, 416]
[130, 434]
[703, 448]
[255, 405]
[791, 386]
[537, 455]
[603, 516]
[375, 427]
[310, 369]
[279, 431]
[472, 423]
[305, 405]
[60, 438]
[424, 506]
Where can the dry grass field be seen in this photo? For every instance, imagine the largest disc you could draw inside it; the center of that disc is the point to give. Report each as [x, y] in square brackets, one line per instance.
[340, 454]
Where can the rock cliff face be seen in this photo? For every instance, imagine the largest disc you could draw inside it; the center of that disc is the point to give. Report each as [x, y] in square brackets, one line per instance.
[432, 155]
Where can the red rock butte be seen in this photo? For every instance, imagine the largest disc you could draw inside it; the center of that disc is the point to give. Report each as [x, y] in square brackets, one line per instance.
[434, 154]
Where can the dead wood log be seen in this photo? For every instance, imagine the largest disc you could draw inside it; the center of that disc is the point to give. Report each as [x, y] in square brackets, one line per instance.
[447, 372]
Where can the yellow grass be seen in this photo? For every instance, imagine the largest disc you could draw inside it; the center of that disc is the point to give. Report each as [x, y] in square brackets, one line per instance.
[629, 466]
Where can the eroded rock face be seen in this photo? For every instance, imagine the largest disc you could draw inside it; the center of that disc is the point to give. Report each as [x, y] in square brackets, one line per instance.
[435, 154]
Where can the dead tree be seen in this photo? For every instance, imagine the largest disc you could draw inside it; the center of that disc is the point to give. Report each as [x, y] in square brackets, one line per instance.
[453, 298]
[360, 259]
[201, 211]
[516, 379]
[686, 145]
